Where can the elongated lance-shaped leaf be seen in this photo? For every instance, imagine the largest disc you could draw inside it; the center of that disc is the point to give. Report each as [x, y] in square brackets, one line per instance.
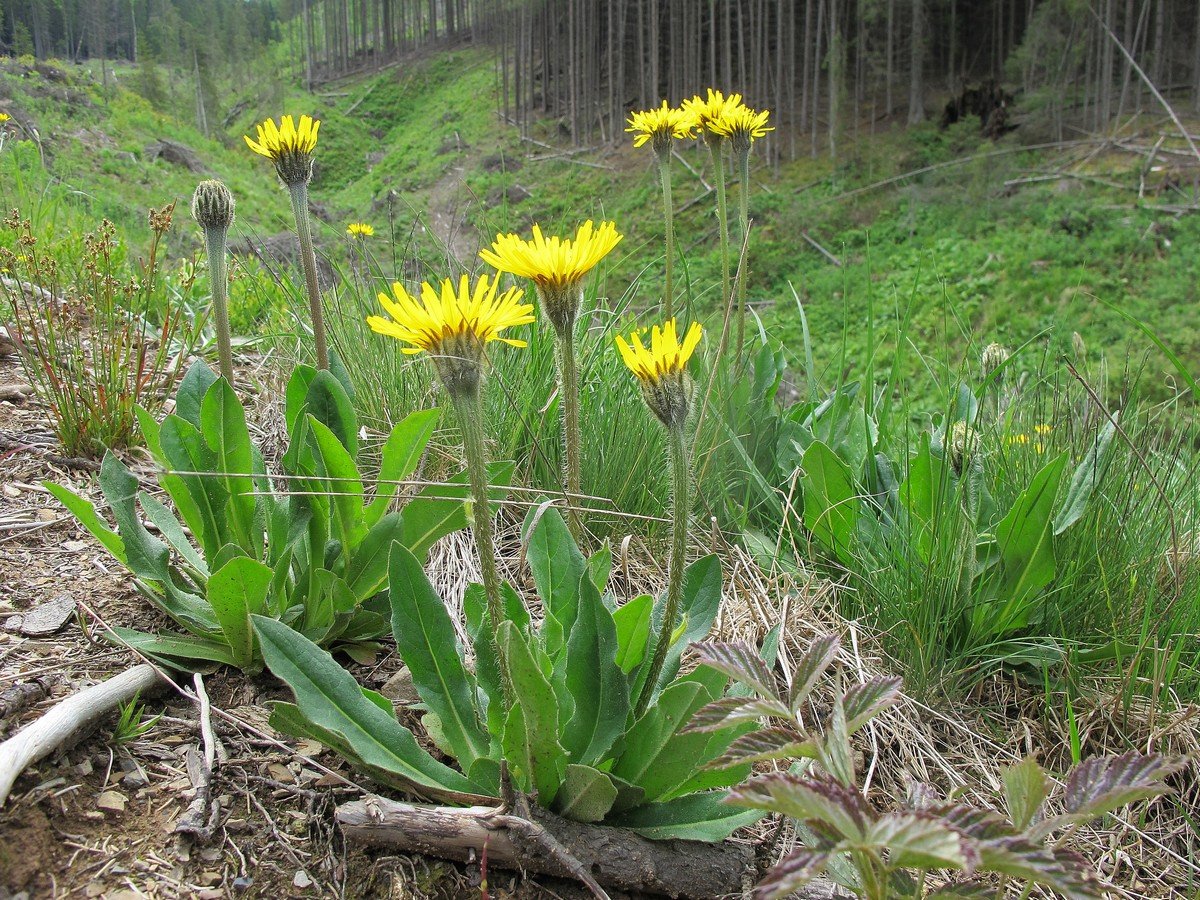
[425, 640]
[557, 566]
[694, 817]
[741, 662]
[85, 511]
[199, 499]
[399, 458]
[1106, 783]
[764, 744]
[531, 730]
[337, 476]
[193, 387]
[223, 424]
[633, 631]
[791, 873]
[329, 697]
[598, 686]
[865, 700]
[810, 667]
[235, 592]
[1086, 478]
[168, 525]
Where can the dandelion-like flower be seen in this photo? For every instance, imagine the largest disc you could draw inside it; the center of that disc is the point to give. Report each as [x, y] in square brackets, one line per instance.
[556, 265]
[660, 125]
[4, 117]
[707, 111]
[360, 230]
[453, 325]
[289, 146]
[741, 125]
[661, 368]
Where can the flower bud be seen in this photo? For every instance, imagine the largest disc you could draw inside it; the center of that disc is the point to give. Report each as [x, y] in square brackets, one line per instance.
[212, 205]
[994, 356]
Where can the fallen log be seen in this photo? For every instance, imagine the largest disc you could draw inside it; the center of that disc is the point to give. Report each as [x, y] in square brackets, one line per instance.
[615, 857]
[67, 719]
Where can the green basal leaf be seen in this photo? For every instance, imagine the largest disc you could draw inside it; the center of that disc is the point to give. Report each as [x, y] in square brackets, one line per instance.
[557, 566]
[85, 512]
[695, 817]
[439, 510]
[223, 424]
[831, 505]
[192, 389]
[235, 592]
[531, 729]
[593, 679]
[586, 794]
[425, 640]
[401, 455]
[633, 631]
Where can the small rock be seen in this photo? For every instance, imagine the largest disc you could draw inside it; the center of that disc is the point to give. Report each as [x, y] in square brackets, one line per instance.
[400, 688]
[243, 883]
[45, 618]
[112, 801]
[301, 880]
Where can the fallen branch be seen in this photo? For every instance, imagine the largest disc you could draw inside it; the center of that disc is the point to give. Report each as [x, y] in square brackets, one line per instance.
[67, 719]
[200, 818]
[813, 243]
[616, 857]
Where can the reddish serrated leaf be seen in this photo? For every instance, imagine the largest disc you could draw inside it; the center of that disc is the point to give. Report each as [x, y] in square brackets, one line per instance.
[980, 824]
[964, 890]
[1106, 783]
[712, 716]
[791, 873]
[764, 744]
[921, 795]
[1064, 872]
[812, 664]
[864, 701]
[739, 661]
[913, 840]
[809, 799]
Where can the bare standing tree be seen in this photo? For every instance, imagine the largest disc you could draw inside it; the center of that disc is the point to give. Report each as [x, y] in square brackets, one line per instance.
[916, 78]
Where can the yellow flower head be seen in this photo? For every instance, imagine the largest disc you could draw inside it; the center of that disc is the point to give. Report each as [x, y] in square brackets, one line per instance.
[289, 146]
[742, 125]
[360, 230]
[554, 264]
[660, 125]
[453, 325]
[4, 117]
[662, 369]
[705, 112]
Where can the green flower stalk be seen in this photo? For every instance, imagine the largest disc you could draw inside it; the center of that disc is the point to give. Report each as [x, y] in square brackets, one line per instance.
[557, 268]
[715, 144]
[290, 147]
[454, 327]
[661, 369]
[659, 127]
[212, 208]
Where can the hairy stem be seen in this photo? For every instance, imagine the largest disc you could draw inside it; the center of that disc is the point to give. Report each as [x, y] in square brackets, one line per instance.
[215, 240]
[299, 195]
[470, 419]
[664, 171]
[680, 460]
[568, 379]
[714, 150]
[743, 155]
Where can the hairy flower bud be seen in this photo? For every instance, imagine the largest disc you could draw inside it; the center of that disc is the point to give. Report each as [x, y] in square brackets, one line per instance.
[962, 442]
[212, 205]
[994, 356]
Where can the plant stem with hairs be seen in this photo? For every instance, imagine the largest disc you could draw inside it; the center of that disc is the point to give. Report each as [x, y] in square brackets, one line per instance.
[743, 158]
[664, 171]
[215, 241]
[470, 418]
[308, 259]
[714, 149]
[568, 375]
[681, 474]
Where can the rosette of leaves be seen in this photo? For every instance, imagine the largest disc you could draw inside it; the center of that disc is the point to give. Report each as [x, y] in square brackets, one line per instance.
[312, 556]
[882, 854]
[570, 737]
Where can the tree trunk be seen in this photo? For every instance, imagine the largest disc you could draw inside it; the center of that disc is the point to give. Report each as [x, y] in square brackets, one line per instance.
[916, 81]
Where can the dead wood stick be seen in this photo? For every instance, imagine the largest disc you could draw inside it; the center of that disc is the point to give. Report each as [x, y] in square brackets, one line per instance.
[68, 718]
[616, 857]
[816, 246]
[198, 819]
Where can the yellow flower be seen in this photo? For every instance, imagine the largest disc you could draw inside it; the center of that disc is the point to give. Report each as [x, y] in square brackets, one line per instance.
[741, 124]
[555, 265]
[665, 356]
[705, 112]
[289, 146]
[4, 117]
[1042, 429]
[466, 318]
[662, 369]
[660, 125]
[360, 230]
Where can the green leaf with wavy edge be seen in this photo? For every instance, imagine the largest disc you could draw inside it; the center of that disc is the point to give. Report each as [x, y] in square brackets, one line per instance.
[531, 729]
[366, 571]
[557, 566]
[85, 511]
[593, 679]
[328, 401]
[199, 499]
[193, 387]
[425, 640]
[236, 591]
[329, 697]
[439, 510]
[586, 794]
[399, 458]
[223, 424]
[164, 520]
[633, 631]
[172, 648]
[694, 817]
[337, 477]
